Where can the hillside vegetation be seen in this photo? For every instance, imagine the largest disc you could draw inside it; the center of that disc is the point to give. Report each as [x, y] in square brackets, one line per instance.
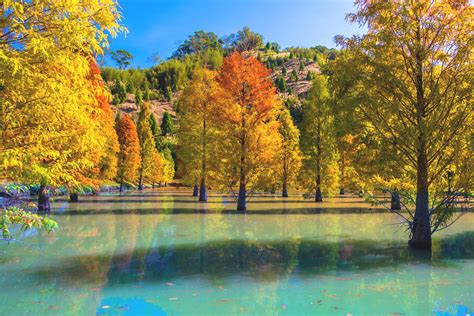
[292, 70]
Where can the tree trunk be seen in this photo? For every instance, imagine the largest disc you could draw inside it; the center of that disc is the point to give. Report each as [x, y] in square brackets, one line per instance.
[43, 200]
[284, 192]
[195, 190]
[343, 169]
[203, 191]
[140, 182]
[421, 227]
[74, 197]
[319, 195]
[242, 200]
[395, 204]
[121, 189]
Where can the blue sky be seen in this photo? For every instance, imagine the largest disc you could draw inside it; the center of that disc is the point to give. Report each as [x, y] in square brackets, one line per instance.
[159, 26]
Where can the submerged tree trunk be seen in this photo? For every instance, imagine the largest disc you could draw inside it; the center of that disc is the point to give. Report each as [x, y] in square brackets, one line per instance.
[319, 195]
[395, 204]
[195, 190]
[203, 191]
[242, 200]
[421, 226]
[284, 191]
[140, 182]
[343, 171]
[74, 197]
[43, 200]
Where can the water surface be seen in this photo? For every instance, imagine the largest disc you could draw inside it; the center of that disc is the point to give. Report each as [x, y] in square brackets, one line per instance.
[154, 253]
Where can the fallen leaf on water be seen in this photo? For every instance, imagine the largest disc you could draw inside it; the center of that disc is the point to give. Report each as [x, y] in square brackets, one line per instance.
[172, 298]
[357, 294]
[169, 284]
[221, 287]
[106, 306]
[283, 306]
[195, 294]
[243, 310]
[151, 301]
[53, 307]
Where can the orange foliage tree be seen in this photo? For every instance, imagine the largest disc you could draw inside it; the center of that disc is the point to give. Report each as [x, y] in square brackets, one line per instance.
[105, 166]
[129, 154]
[251, 140]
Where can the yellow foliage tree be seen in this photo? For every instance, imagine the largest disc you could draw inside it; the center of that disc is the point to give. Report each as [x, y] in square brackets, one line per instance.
[46, 99]
[318, 141]
[250, 138]
[129, 154]
[290, 157]
[414, 72]
[197, 129]
[147, 146]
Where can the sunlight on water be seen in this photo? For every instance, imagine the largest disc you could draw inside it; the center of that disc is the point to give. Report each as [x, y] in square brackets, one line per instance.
[180, 262]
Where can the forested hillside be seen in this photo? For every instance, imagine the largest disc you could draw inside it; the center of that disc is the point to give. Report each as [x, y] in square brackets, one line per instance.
[292, 70]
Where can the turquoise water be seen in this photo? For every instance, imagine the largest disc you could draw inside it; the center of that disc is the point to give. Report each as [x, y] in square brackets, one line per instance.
[124, 260]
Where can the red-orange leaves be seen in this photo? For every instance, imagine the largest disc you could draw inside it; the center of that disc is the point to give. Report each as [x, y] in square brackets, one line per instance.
[129, 155]
[248, 84]
[249, 128]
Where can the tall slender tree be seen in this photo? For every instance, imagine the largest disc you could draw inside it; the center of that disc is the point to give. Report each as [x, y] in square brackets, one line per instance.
[147, 145]
[197, 130]
[318, 139]
[129, 154]
[415, 66]
[290, 154]
[251, 140]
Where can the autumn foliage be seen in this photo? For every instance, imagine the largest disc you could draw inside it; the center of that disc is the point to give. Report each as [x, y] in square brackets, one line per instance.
[129, 154]
[249, 123]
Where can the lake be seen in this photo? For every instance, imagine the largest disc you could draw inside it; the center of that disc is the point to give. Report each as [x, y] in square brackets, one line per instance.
[159, 252]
